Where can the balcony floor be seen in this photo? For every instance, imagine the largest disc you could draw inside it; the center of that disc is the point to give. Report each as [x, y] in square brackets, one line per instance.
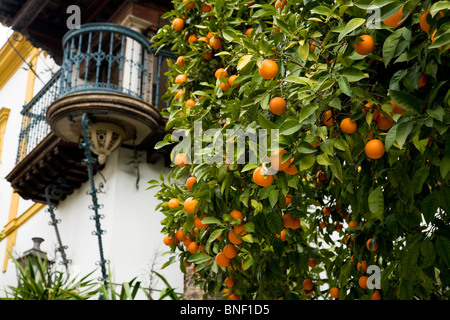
[52, 161]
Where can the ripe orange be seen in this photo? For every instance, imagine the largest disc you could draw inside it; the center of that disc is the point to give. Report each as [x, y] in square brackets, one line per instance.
[190, 103]
[308, 284]
[234, 238]
[374, 149]
[181, 159]
[233, 296]
[221, 73]
[422, 80]
[179, 94]
[323, 224]
[290, 222]
[276, 158]
[190, 204]
[224, 87]
[222, 260]
[168, 241]
[288, 199]
[229, 282]
[362, 281]
[292, 169]
[237, 215]
[193, 247]
[179, 235]
[393, 21]
[367, 107]
[239, 230]
[353, 224]
[215, 43]
[372, 245]
[280, 5]
[385, 123]
[206, 7]
[327, 211]
[199, 224]
[187, 240]
[312, 262]
[365, 46]
[180, 61]
[396, 109]
[362, 266]
[178, 24]
[248, 32]
[269, 69]
[231, 79]
[327, 118]
[192, 38]
[230, 251]
[277, 105]
[180, 79]
[376, 295]
[334, 292]
[173, 203]
[190, 4]
[190, 183]
[208, 56]
[282, 235]
[423, 21]
[260, 179]
[348, 126]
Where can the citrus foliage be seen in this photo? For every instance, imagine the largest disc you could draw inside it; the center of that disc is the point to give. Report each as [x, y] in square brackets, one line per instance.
[341, 206]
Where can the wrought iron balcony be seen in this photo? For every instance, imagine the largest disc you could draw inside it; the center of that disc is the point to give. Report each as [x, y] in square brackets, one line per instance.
[108, 71]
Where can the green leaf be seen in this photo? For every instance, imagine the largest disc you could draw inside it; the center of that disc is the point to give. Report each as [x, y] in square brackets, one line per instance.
[438, 6]
[390, 46]
[441, 40]
[307, 162]
[211, 220]
[376, 203]
[430, 206]
[215, 234]
[406, 290]
[444, 165]
[336, 168]
[428, 253]
[353, 74]
[406, 101]
[391, 136]
[265, 123]
[436, 113]
[243, 61]
[323, 159]
[308, 110]
[274, 221]
[350, 26]
[199, 257]
[442, 247]
[273, 197]
[303, 50]
[419, 178]
[403, 130]
[290, 126]
[344, 85]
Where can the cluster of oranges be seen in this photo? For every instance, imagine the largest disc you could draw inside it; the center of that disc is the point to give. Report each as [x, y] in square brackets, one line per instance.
[378, 116]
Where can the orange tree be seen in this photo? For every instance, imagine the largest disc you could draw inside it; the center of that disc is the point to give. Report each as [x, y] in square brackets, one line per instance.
[361, 106]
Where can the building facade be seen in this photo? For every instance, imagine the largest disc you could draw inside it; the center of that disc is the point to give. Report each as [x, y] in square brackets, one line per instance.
[79, 117]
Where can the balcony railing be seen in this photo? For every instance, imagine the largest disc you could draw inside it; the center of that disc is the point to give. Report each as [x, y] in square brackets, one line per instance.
[103, 58]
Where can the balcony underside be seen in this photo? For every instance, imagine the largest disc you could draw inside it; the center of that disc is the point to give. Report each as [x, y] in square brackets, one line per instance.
[52, 161]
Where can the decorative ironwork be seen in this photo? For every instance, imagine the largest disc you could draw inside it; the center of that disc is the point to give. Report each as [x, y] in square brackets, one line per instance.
[99, 57]
[86, 145]
[58, 190]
